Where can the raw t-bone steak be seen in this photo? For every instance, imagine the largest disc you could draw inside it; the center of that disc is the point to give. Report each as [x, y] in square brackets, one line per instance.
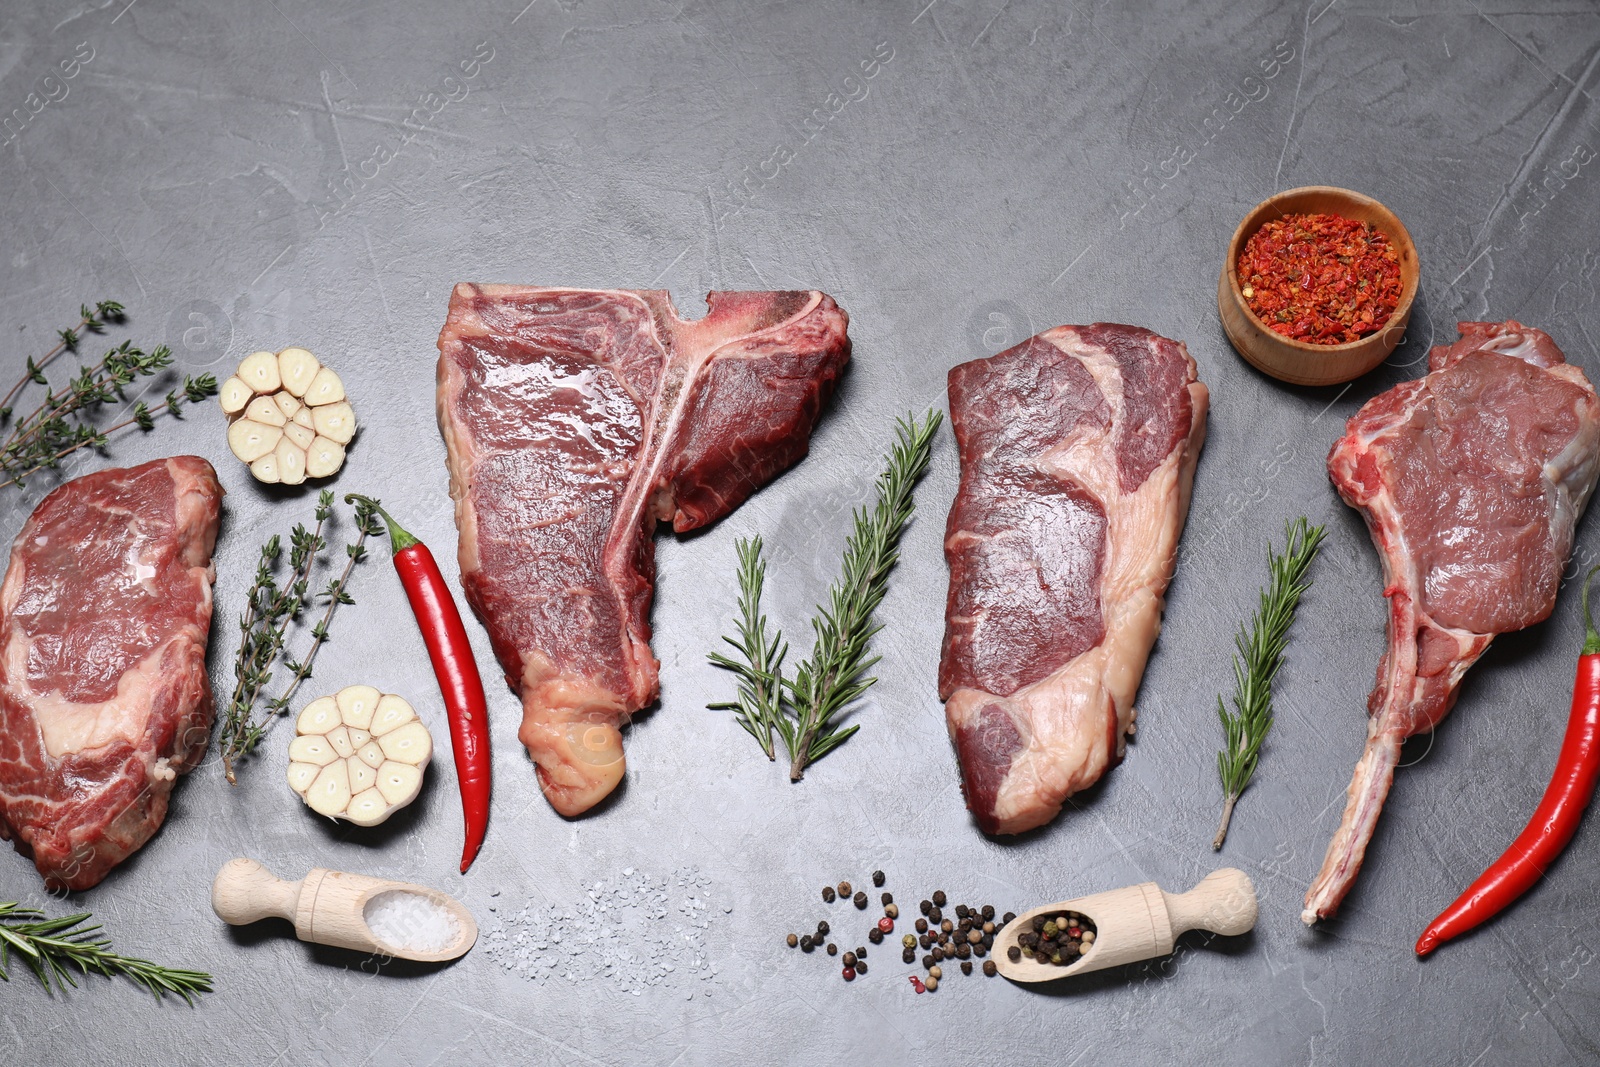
[1078, 450]
[104, 698]
[1471, 480]
[576, 419]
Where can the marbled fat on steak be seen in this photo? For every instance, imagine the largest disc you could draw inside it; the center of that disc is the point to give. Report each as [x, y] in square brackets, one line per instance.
[1471, 481]
[104, 698]
[578, 419]
[1078, 449]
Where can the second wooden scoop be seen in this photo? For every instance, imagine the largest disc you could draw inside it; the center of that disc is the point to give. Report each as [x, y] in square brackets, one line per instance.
[330, 908]
[1139, 922]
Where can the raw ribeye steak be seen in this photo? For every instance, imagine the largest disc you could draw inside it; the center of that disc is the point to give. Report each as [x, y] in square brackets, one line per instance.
[576, 419]
[1471, 480]
[104, 698]
[1078, 449]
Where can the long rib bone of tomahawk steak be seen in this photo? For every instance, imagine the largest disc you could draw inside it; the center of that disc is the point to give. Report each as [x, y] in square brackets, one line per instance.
[1471, 480]
[575, 421]
[1078, 449]
[104, 698]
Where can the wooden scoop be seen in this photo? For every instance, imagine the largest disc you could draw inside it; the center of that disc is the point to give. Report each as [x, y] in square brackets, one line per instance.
[1139, 922]
[329, 907]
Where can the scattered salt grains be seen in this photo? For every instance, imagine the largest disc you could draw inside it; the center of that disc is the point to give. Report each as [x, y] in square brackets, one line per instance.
[410, 921]
[618, 931]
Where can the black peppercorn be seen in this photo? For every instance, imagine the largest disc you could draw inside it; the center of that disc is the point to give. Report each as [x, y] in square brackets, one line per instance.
[936, 915]
[964, 925]
[833, 950]
[1014, 953]
[1038, 923]
[938, 898]
[827, 894]
[961, 911]
[861, 952]
[1008, 917]
[925, 940]
[966, 967]
[861, 899]
[922, 926]
[963, 951]
[823, 928]
[908, 955]
[887, 899]
[925, 907]
[791, 941]
[927, 961]
[979, 950]
[988, 940]
[875, 935]
[849, 959]
[806, 944]
[987, 912]
[989, 969]
[878, 879]
[861, 966]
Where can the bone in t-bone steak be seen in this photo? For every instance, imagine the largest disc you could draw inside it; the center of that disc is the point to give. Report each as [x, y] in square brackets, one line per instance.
[104, 698]
[1471, 480]
[577, 419]
[1078, 450]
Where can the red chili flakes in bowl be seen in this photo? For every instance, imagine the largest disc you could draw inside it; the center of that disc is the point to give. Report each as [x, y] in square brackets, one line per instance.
[1321, 279]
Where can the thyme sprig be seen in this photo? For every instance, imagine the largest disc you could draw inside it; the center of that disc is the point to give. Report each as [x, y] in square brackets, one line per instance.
[1260, 647]
[270, 611]
[63, 422]
[53, 947]
[803, 710]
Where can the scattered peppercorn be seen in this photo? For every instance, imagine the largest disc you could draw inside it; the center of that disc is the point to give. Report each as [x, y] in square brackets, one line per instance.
[1014, 953]
[974, 937]
[928, 961]
[861, 951]
[936, 916]
[849, 958]
[875, 935]
[791, 941]
[925, 907]
[849, 974]
[885, 925]
[908, 956]
[909, 941]
[963, 951]
[961, 911]
[861, 966]
[827, 894]
[989, 969]
[935, 971]
[987, 912]
[931, 984]
[966, 968]
[844, 889]
[861, 899]
[922, 926]
[823, 928]
[947, 926]
[806, 944]
[1009, 916]
[878, 879]
[925, 940]
[891, 909]
[938, 898]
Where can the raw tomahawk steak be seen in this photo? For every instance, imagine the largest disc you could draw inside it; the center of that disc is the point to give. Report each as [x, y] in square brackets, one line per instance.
[576, 420]
[104, 698]
[1471, 480]
[1078, 450]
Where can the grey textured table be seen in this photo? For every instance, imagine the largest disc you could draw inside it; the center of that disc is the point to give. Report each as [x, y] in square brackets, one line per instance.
[248, 176]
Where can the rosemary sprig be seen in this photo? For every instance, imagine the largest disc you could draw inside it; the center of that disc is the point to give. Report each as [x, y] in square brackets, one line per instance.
[52, 947]
[759, 708]
[90, 320]
[802, 710]
[62, 423]
[1260, 653]
[269, 612]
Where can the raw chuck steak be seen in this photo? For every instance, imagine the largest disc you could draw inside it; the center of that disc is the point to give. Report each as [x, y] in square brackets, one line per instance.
[1471, 480]
[577, 419]
[104, 698]
[1078, 450]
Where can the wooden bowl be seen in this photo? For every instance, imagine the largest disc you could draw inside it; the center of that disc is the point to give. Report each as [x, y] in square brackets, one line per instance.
[1296, 361]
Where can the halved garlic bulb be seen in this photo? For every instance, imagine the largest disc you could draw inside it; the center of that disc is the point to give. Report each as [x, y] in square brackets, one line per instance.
[289, 416]
[358, 755]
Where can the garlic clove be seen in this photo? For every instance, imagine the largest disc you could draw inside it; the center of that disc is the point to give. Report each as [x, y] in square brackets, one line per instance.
[330, 793]
[326, 388]
[291, 462]
[361, 776]
[250, 440]
[399, 782]
[264, 409]
[336, 422]
[287, 404]
[356, 705]
[265, 469]
[393, 712]
[309, 748]
[234, 394]
[302, 775]
[359, 737]
[303, 418]
[323, 457]
[371, 754]
[411, 744]
[301, 436]
[318, 717]
[297, 367]
[260, 372]
[369, 808]
[339, 738]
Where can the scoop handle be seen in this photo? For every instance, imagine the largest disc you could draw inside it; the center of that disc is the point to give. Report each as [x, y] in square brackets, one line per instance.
[244, 891]
[1224, 903]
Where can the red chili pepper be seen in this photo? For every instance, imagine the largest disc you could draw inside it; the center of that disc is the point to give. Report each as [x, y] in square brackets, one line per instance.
[457, 671]
[1557, 817]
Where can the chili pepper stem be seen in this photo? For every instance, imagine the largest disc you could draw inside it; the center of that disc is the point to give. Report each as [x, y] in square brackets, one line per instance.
[399, 539]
